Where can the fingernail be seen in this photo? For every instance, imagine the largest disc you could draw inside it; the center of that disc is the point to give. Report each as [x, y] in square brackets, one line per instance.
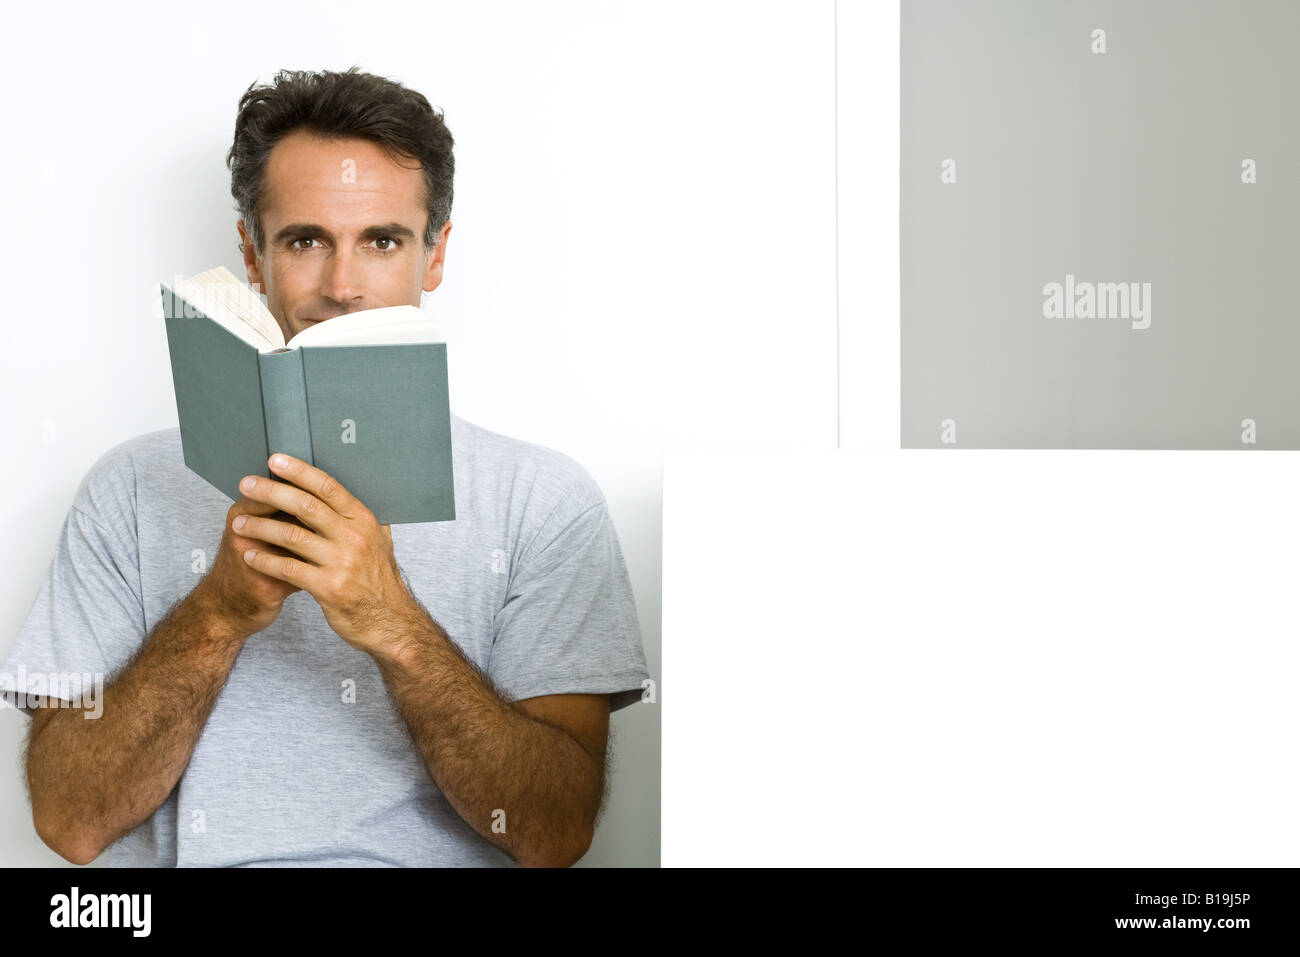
[250, 555]
[279, 461]
[248, 483]
[239, 522]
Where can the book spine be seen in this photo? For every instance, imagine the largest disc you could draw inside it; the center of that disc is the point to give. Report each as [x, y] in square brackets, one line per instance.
[284, 404]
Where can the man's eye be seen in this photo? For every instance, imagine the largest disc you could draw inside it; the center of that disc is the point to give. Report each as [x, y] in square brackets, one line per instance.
[391, 247]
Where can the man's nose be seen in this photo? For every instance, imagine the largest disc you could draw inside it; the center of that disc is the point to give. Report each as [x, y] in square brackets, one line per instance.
[342, 280]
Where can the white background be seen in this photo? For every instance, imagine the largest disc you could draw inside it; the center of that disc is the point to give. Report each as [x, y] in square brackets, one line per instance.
[642, 244]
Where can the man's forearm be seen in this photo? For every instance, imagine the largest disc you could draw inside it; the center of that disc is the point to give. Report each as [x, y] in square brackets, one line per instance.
[93, 781]
[530, 789]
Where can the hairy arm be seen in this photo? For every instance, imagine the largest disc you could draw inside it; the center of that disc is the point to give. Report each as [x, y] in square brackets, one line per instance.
[93, 781]
[528, 776]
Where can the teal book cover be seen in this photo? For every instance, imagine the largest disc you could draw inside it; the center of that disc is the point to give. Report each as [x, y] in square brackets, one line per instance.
[376, 417]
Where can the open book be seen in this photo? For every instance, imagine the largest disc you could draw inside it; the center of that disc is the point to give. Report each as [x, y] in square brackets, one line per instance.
[362, 396]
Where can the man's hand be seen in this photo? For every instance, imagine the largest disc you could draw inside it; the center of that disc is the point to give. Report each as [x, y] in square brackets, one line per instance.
[235, 591]
[340, 554]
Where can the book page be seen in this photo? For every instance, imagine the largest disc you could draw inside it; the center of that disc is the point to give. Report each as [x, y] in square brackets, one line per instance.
[227, 300]
[233, 304]
[386, 325]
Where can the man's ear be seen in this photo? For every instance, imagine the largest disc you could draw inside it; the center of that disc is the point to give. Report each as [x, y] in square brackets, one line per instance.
[433, 272]
[251, 264]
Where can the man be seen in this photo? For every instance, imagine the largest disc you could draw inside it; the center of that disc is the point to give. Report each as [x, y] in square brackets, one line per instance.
[331, 691]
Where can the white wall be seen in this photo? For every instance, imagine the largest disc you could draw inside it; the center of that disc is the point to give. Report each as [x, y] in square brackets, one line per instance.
[643, 247]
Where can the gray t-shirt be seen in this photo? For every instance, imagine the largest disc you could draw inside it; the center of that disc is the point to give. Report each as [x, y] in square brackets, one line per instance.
[305, 759]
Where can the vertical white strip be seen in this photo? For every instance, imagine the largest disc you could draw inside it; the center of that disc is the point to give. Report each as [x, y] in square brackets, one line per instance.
[867, 149]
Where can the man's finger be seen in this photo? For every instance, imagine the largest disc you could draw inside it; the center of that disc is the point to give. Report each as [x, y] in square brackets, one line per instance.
[248, 506]
[319, 483]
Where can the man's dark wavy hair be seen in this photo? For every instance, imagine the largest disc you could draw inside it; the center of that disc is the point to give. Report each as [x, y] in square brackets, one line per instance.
[333, 104]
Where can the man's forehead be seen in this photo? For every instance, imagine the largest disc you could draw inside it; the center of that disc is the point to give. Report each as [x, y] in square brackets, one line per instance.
[317, 179]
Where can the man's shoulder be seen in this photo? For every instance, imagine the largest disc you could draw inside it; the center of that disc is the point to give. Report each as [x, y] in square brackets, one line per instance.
[543, 474]
[148, 444]
[110, 487]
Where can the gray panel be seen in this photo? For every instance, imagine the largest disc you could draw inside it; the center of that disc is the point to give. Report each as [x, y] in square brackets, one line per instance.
[1115, 167]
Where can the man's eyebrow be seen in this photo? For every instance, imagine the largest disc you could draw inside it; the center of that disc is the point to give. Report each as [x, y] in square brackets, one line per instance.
[306, 230]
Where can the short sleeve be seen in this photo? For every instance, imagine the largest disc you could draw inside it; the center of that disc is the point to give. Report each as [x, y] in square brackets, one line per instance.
[89, 603]
[569, 623]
